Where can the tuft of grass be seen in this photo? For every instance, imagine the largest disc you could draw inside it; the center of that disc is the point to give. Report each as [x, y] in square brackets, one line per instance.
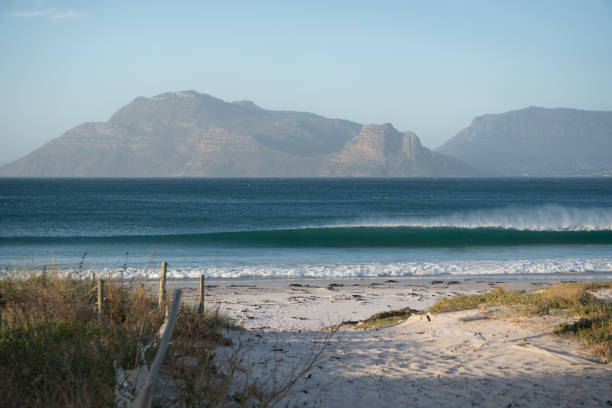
[597, 285]
[594, 317]
[593, 331]
[497, 296]
[384, 319]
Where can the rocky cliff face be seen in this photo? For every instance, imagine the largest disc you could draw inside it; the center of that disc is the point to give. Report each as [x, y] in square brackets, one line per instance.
[190, 134]
[382, 151]
[538, 142]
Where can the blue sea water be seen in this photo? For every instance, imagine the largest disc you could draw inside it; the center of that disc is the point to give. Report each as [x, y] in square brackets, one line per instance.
[309, 227]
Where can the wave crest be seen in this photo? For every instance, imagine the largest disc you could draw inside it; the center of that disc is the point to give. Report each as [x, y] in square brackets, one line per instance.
[541, 218]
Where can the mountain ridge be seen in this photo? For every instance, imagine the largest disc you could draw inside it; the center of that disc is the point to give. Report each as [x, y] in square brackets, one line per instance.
[382, 151]
[537, 141]
[190, 134]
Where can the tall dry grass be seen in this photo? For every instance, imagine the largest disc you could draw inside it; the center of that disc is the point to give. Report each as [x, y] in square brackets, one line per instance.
[56, 351]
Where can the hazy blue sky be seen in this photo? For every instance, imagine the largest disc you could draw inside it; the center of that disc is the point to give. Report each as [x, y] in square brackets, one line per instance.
[427, 66]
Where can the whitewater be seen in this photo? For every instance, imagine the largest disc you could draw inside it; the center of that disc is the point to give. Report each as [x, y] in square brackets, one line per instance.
[536, 218]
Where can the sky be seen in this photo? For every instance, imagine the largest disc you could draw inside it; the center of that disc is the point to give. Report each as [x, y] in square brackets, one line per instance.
[425, 66]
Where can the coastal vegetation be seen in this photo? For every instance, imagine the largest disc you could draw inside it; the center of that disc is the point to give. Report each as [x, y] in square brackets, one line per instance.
[57, 349]
[385, 318]
[591, 318]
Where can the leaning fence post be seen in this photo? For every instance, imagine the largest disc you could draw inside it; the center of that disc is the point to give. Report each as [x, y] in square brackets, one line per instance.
[101, 297]
[201, 304]
[162, 283]
[145, 394]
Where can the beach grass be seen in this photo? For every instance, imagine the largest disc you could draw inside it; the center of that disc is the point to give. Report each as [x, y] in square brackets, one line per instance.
[56, 350]
[386, 318]
[376, 321]
[592, 317]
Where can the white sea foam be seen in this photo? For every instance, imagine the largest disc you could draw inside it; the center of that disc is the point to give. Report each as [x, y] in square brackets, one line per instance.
[373, 270]
[541, 218]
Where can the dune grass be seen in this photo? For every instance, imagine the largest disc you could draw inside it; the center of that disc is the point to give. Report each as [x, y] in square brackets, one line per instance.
[56, 351]
[53, 348]
[386, 318]
[593, 324]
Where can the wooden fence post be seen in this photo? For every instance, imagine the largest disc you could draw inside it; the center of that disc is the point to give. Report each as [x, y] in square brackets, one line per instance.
[201, 304]
[162, 283]
[145, 394]
[101, 298]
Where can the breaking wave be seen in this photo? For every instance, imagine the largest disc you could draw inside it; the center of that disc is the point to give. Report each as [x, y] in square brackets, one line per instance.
[541, 218]
[546, 225]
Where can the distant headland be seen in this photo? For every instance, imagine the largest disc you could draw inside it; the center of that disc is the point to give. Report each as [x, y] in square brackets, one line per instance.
[190, 134]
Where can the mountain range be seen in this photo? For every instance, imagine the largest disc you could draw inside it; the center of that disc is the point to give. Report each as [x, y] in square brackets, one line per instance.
[537, 142]
[189, 134]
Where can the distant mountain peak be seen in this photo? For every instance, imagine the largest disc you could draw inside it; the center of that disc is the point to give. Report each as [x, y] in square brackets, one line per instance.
[537, 141]
[246, 104]
[188, 133]
[382, 151]
[176, 95]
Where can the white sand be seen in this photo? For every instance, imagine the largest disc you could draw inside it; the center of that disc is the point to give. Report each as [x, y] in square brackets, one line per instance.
[456, 359]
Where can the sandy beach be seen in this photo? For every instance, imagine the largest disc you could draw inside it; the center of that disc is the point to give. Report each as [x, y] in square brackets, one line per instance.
[467, 358]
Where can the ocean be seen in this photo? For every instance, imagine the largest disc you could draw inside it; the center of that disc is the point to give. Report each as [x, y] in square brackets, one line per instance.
[309, 228]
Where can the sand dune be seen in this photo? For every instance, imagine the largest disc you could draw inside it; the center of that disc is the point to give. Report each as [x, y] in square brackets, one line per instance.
[467, 358]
